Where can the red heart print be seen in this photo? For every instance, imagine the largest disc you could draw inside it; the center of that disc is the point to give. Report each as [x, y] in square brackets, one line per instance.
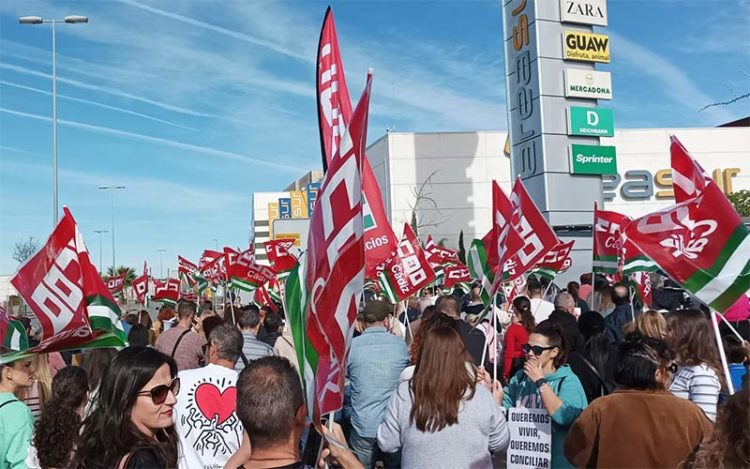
[211, 402]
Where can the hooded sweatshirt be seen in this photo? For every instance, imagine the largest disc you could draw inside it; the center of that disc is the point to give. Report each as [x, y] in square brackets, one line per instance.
[522, 392]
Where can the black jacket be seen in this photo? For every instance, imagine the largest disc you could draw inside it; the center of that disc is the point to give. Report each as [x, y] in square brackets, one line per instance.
[616, 320]
[474, 340]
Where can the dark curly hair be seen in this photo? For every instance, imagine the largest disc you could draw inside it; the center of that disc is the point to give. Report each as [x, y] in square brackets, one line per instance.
[109, 433]
[57, 429]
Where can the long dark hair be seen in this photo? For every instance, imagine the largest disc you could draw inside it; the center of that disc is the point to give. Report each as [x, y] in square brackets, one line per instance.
[729, 444]
[690, 337]
[522, 306]
[596, 349]
[95, 362]
[109, 433]
[440, 380]
[58, 427]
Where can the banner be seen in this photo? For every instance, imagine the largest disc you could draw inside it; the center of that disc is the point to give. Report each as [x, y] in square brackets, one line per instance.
[530, 438]
[607, 232]
[538, 237]
[65, 292]
[688, 177]
[116, 284]
[334, 118]
[167, 292]
[336, 262]
[279, 255]
[407, 271]
[701, 244]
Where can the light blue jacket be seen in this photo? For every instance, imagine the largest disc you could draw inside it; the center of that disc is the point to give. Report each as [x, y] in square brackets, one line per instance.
[522, 392]
[376, 360]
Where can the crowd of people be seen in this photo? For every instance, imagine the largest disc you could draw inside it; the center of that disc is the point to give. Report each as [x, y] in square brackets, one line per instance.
[429, 384]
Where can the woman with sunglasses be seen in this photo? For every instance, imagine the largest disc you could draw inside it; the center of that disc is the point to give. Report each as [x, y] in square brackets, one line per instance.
[641, 424]
[131, 426]
[546, 382]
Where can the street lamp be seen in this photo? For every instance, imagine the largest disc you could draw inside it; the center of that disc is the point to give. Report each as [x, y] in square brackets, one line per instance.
[100, 233]
[112, 190]
[71, 19]
[161, 262]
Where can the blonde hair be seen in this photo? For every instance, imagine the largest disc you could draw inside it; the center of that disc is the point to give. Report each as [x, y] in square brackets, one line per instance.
[651, 324]
[42, 379]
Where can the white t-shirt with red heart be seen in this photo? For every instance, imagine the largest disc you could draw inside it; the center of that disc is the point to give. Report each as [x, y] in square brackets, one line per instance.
[205, 417]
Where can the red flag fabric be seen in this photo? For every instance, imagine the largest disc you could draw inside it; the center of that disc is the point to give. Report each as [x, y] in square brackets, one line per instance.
[64, 290]
[279, 255]
[408, 270]
[505, 240]
[243, 271]
[558, 259]
[456, 273]
[701, 244]
[115, 284]
[211, 267]
[642, 282]
[336, 262]
[538, 237]
[608, 228]
[140, 285]
[688, 177]
[262, 298]
[438, 255]
[186, 267]
[518, 287]
[334, 117]
[168, 292]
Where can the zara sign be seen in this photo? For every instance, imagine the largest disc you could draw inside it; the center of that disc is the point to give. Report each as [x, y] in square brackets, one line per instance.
[584, 12]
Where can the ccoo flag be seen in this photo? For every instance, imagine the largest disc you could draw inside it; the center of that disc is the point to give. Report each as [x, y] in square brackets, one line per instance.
[700, 243]
[688, 177]
[334, 117]
[407, 271]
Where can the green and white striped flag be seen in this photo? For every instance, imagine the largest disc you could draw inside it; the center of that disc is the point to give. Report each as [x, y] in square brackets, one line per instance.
[386, 289]
[295, 305]
[477, 263]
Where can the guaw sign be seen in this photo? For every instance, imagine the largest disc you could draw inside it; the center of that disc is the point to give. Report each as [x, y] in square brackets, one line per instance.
[586, 47]
[590, 122]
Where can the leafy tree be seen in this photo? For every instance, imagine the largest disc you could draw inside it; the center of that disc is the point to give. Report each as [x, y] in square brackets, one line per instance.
[741, 202]
[24, 248]
[117, 272]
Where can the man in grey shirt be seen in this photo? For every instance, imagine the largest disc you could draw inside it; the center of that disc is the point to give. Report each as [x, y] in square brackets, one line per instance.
[252, 348]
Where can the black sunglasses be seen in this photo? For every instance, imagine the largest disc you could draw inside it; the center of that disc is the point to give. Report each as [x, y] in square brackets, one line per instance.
[672, 368]
[159, 393]
[536, 349]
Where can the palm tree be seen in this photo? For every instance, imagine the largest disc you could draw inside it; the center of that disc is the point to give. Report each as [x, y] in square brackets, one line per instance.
[117, 272]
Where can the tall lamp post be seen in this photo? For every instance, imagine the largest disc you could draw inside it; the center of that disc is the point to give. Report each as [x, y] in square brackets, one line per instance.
[112, 190]
[100, 233]
[161, 262]
[72, 19]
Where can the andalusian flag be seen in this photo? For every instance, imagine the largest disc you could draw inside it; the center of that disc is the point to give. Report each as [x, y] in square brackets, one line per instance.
[12, 333]
[700, 243]
[477, 263]
[295, 305]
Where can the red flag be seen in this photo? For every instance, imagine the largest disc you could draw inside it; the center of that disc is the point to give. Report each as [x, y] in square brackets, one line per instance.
[518, 287]
[701, 244]
[336, 262]
[211, 267]
[456, 273]
[538, 237]
[115, 284]
[279, 255]
[140, 285]
[243, 272]
[642, 282]
[558, 259]
[262, 298]
[168, 292]
[688, 177]
[438, 255]
[608, 227]
[334, 117]
[504, 239]
[64, 290]
[408, 270]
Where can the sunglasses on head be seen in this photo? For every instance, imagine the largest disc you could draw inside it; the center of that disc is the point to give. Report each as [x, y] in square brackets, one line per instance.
[159, 393]
[536, 349]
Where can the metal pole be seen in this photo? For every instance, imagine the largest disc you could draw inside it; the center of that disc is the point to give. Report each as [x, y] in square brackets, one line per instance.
[114, 265]
[54, 126]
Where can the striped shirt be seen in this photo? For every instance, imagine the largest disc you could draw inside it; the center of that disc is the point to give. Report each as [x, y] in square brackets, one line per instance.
[253, 349]
[698, 384]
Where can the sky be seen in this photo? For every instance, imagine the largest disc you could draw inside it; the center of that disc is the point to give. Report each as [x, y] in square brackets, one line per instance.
[194, 105]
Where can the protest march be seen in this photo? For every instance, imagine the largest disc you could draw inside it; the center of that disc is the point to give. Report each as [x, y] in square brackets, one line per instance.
[368, 343]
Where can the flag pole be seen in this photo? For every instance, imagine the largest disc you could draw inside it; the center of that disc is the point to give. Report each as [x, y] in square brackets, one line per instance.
[723, 355]
[729, 325]
[494, 339]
